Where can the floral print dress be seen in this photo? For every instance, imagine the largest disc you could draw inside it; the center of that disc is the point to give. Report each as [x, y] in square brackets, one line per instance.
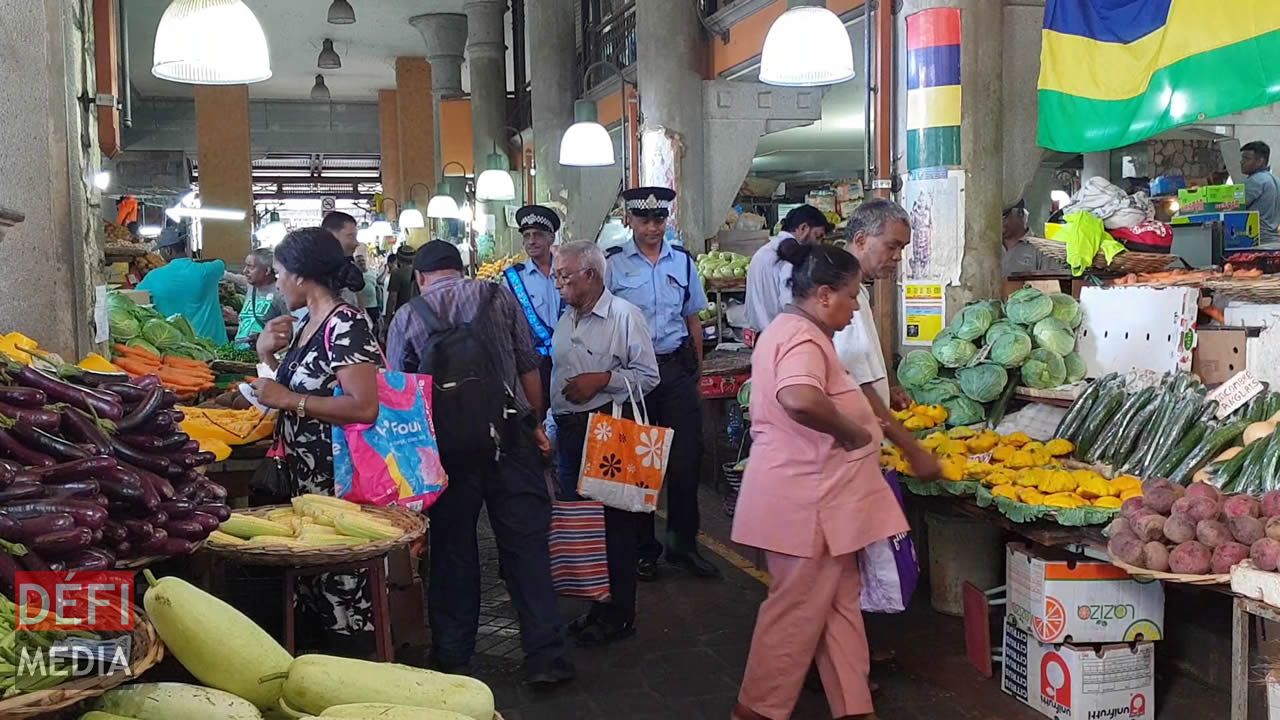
[339, 602]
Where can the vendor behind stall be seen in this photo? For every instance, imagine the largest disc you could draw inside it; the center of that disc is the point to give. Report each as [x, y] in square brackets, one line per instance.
[1021, 256]
[1261, 190]
[261, 303]
[184, 286]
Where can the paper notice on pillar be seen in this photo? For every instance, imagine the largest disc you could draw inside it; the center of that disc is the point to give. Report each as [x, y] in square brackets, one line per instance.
[934, 198]
[661, 152]
[101, 320]
[924, 307]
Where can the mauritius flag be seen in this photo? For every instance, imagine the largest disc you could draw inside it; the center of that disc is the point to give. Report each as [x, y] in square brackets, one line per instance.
[1115, 72]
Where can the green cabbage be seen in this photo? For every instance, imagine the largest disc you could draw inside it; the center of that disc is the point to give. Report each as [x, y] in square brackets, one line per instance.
[1044, 369]
[935, 391]
[998, 328]
[116, 300]
[917, 368]
[1028, 306]
[182, 325]
[1010, 349]
[951, 351]
[972, 322]
[140, 343]
[1075, 367]
[963, 411]
[1066, 309]
[995, 306]
[161, 334]
[983, 382]
[124, 326]
[1052, 334]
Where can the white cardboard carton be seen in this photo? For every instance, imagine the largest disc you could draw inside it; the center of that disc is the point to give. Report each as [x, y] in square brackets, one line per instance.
[1064, 598]
[1273, 697]
[1104, 682]
[1137, 327]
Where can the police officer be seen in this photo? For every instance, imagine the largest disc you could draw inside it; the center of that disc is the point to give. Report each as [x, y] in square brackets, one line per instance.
[661, 280]
[532, 282]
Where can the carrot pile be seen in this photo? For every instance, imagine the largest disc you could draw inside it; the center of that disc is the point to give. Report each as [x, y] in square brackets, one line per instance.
[181, 375]
[1169, 277]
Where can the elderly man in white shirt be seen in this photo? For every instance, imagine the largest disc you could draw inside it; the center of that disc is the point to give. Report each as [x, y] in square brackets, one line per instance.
[767, 275]
[601, 344]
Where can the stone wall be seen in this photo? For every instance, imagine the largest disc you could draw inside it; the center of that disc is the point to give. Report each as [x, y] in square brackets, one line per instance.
[1189, 158]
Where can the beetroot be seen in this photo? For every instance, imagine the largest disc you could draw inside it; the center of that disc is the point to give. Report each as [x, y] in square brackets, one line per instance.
[1156, 556]
[1204, 490]
[1246, 530]
[1179, 528]
[1149, 527]
[1272, 528]
[1126, 548]
[1227, 556]
[1119, 526]
[1241, 506]
[1212, 533]
[1159, 499]
[1271, 504]
[1132, 506]
[1265, 554]
[1190, 558]
[1196, 508]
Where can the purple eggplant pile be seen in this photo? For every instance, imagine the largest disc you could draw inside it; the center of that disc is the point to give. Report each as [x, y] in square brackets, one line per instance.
[94, 469]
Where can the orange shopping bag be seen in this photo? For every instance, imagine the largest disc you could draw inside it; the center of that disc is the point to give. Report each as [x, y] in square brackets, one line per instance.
[624, 461]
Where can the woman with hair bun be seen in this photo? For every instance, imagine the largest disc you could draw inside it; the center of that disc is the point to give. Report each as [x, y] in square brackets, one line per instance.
[333, 347]
[812, 495]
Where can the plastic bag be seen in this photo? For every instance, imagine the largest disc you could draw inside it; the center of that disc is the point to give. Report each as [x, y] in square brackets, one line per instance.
[889, 568]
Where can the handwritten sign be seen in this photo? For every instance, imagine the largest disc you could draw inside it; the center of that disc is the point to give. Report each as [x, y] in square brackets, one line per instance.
[981, 457]
[1234, 393]
[1142, 378]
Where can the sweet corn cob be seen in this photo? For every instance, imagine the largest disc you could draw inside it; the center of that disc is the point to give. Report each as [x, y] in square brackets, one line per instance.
[248, 526]
[331, 540]
[363, 526]
[221, 538]
[276, 541]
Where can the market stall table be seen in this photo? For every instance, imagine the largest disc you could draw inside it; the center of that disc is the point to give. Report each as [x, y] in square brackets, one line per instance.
[724, 371]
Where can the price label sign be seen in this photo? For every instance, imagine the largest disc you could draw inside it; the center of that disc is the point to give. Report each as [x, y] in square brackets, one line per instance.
[1234, 393]
[981, 457]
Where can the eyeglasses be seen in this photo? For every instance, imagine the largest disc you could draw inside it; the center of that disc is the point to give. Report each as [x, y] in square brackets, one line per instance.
[563, 277]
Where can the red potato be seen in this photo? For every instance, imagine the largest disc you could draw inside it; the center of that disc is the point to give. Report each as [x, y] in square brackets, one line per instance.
[1159, 499]
[1149, 527]
[1246, 530]
[1212, 533]
[1179, 528]
[1196, 508]
[1265, 554]
[1132, 506]
[1126, 548]
[1156, 556]
[1271, 504]
[1227, 556]
[1241, 506]
[1272, 528]
[1204, 490]
[1119, 526]
[1191, 558]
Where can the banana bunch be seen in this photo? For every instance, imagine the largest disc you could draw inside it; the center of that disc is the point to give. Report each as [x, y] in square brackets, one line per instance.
[493, 269]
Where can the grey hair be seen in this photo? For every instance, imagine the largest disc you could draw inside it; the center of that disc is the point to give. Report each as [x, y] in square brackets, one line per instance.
[587, 252]
[871, 217]
[266, 256]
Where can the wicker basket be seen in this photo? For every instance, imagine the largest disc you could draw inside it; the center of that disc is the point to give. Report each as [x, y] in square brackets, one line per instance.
[147, 651]
[413, 524]
[1126, 262]
[1265, 289]
[1145, 575]
[146, 561]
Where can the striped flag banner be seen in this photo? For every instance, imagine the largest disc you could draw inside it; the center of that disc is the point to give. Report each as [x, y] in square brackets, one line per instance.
[933, 88]
[579, 563]
[1116, 72]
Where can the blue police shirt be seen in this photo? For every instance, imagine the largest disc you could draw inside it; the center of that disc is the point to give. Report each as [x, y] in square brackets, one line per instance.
[543, 293]
[658, 289]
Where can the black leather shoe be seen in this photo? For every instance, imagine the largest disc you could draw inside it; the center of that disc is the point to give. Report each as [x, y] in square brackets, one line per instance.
[559, 671]
[647, 570]
[694, 564]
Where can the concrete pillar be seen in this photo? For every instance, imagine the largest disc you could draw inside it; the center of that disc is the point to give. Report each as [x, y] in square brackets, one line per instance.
[669, 72]
[414, 105]
[48, 149]
[226, 172]
[445, 35]
[1096, 164]
[981, 135]
[389, 143]
[553, 70]
[487, 58]
[1021, 69]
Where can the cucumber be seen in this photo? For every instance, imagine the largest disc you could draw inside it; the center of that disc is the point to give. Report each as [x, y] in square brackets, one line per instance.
[1215, 441]
[1117, 421]
[1233, 469]
[1108, 404]
[1181, 450]
[1266, 479]
[1002, 404]
[1070, 422]
[1149, 433]
[1170, 433]
[1123, 446]
[1273, 404]
[1256, 408]
[1252, 469]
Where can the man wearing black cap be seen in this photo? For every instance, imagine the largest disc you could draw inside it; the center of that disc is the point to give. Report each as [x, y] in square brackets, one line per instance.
[661, 280]
[768, 278]
[1021, 256]
[472, 338]
[533, 283]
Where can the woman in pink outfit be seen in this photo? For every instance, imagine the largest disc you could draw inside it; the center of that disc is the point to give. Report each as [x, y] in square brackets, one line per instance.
[812, 496]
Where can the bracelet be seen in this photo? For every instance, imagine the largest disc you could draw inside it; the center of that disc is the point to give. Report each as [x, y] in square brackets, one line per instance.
[302, 407]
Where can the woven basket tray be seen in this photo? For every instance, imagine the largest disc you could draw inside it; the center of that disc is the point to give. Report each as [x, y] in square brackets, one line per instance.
[413, 524]
[1149, 575]
[147, 651]
[1265, 289]
[1126, 262]
[146, 561]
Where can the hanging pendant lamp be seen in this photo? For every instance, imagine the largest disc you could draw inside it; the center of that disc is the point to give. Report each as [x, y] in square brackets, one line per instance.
[210, 42]
[329, 59]
[806, 46]
[319, 91]
[341, 13]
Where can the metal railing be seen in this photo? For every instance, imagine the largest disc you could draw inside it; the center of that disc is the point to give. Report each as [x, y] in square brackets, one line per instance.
[609, 33]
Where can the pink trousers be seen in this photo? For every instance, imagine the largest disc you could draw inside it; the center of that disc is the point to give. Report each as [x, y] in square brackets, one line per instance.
[812, 613]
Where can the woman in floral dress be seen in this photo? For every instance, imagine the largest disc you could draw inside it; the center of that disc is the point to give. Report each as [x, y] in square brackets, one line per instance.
[331, 347]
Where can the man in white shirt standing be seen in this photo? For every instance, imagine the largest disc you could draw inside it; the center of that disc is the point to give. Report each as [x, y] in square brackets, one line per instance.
[767, 276]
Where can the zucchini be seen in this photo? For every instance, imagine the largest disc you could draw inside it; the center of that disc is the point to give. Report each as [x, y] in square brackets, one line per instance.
[1070, 423]
[318, 682]
[1122, 418]
[168, 701]
[1215, 441]
[1002, 404]
[1123, 446]
[1108, 404]
[1181, 450]
[1231, 472]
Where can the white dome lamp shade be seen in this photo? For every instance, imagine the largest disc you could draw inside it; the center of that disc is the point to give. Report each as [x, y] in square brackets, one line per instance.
[320, 91]
[586, 143]
[329, 58]
[411, 217]
[210, 42]
[495, 183]
[807, 46]
[442, 207]
[341, 13]
[364, 235]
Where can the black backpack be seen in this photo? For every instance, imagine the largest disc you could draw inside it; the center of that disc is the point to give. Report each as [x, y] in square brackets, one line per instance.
[468, 399]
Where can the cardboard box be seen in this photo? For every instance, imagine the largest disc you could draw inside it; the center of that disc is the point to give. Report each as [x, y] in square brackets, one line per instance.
[1070, 681]
[1211, 198]
[743, 242]
[1219, 354]
[1137, 327]
[1240, 229]
[1061, 597]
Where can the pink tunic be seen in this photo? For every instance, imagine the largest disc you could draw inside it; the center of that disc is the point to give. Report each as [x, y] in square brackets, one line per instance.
[797, 478]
